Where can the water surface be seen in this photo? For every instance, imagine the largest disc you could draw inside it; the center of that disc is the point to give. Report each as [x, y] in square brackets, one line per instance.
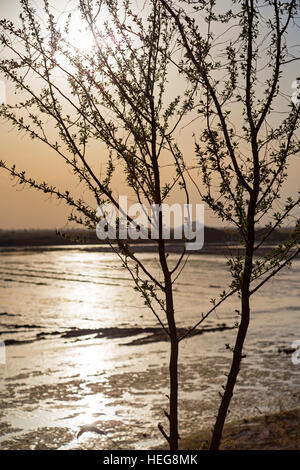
[52, 383]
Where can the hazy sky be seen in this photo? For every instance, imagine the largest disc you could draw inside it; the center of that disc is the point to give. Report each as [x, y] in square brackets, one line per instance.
[27, 208]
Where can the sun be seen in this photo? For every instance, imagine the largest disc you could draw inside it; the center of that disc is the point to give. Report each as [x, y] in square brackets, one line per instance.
[77, 36]
[80, 36]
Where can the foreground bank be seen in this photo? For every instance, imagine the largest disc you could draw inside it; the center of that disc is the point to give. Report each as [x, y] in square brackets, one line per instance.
[278, 431]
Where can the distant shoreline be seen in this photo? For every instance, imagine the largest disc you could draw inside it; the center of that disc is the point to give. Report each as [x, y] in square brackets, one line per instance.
[220, 249]
[217, 241]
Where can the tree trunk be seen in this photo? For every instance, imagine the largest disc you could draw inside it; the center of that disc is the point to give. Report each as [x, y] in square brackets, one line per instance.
[173, 368]
[242, 332]
[232, 377]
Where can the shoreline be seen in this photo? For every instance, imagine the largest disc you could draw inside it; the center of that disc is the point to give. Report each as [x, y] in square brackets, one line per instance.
[277, 431]
[213, 249]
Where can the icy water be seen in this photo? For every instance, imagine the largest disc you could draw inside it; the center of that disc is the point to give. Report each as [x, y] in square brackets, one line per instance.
[64, 366]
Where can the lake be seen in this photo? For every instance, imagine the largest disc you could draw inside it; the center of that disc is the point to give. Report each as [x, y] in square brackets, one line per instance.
[69, 360]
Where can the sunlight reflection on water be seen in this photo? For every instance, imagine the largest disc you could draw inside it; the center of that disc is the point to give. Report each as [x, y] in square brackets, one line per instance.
[71, 382]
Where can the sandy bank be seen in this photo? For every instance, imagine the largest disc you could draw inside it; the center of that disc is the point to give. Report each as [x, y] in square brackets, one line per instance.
[279, 431]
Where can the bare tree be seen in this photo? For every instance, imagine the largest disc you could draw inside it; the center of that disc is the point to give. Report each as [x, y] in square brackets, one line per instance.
[248, 135]
[114, 93]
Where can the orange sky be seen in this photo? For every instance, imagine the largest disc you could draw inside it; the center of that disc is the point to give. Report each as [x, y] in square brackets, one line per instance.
[27, 208]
